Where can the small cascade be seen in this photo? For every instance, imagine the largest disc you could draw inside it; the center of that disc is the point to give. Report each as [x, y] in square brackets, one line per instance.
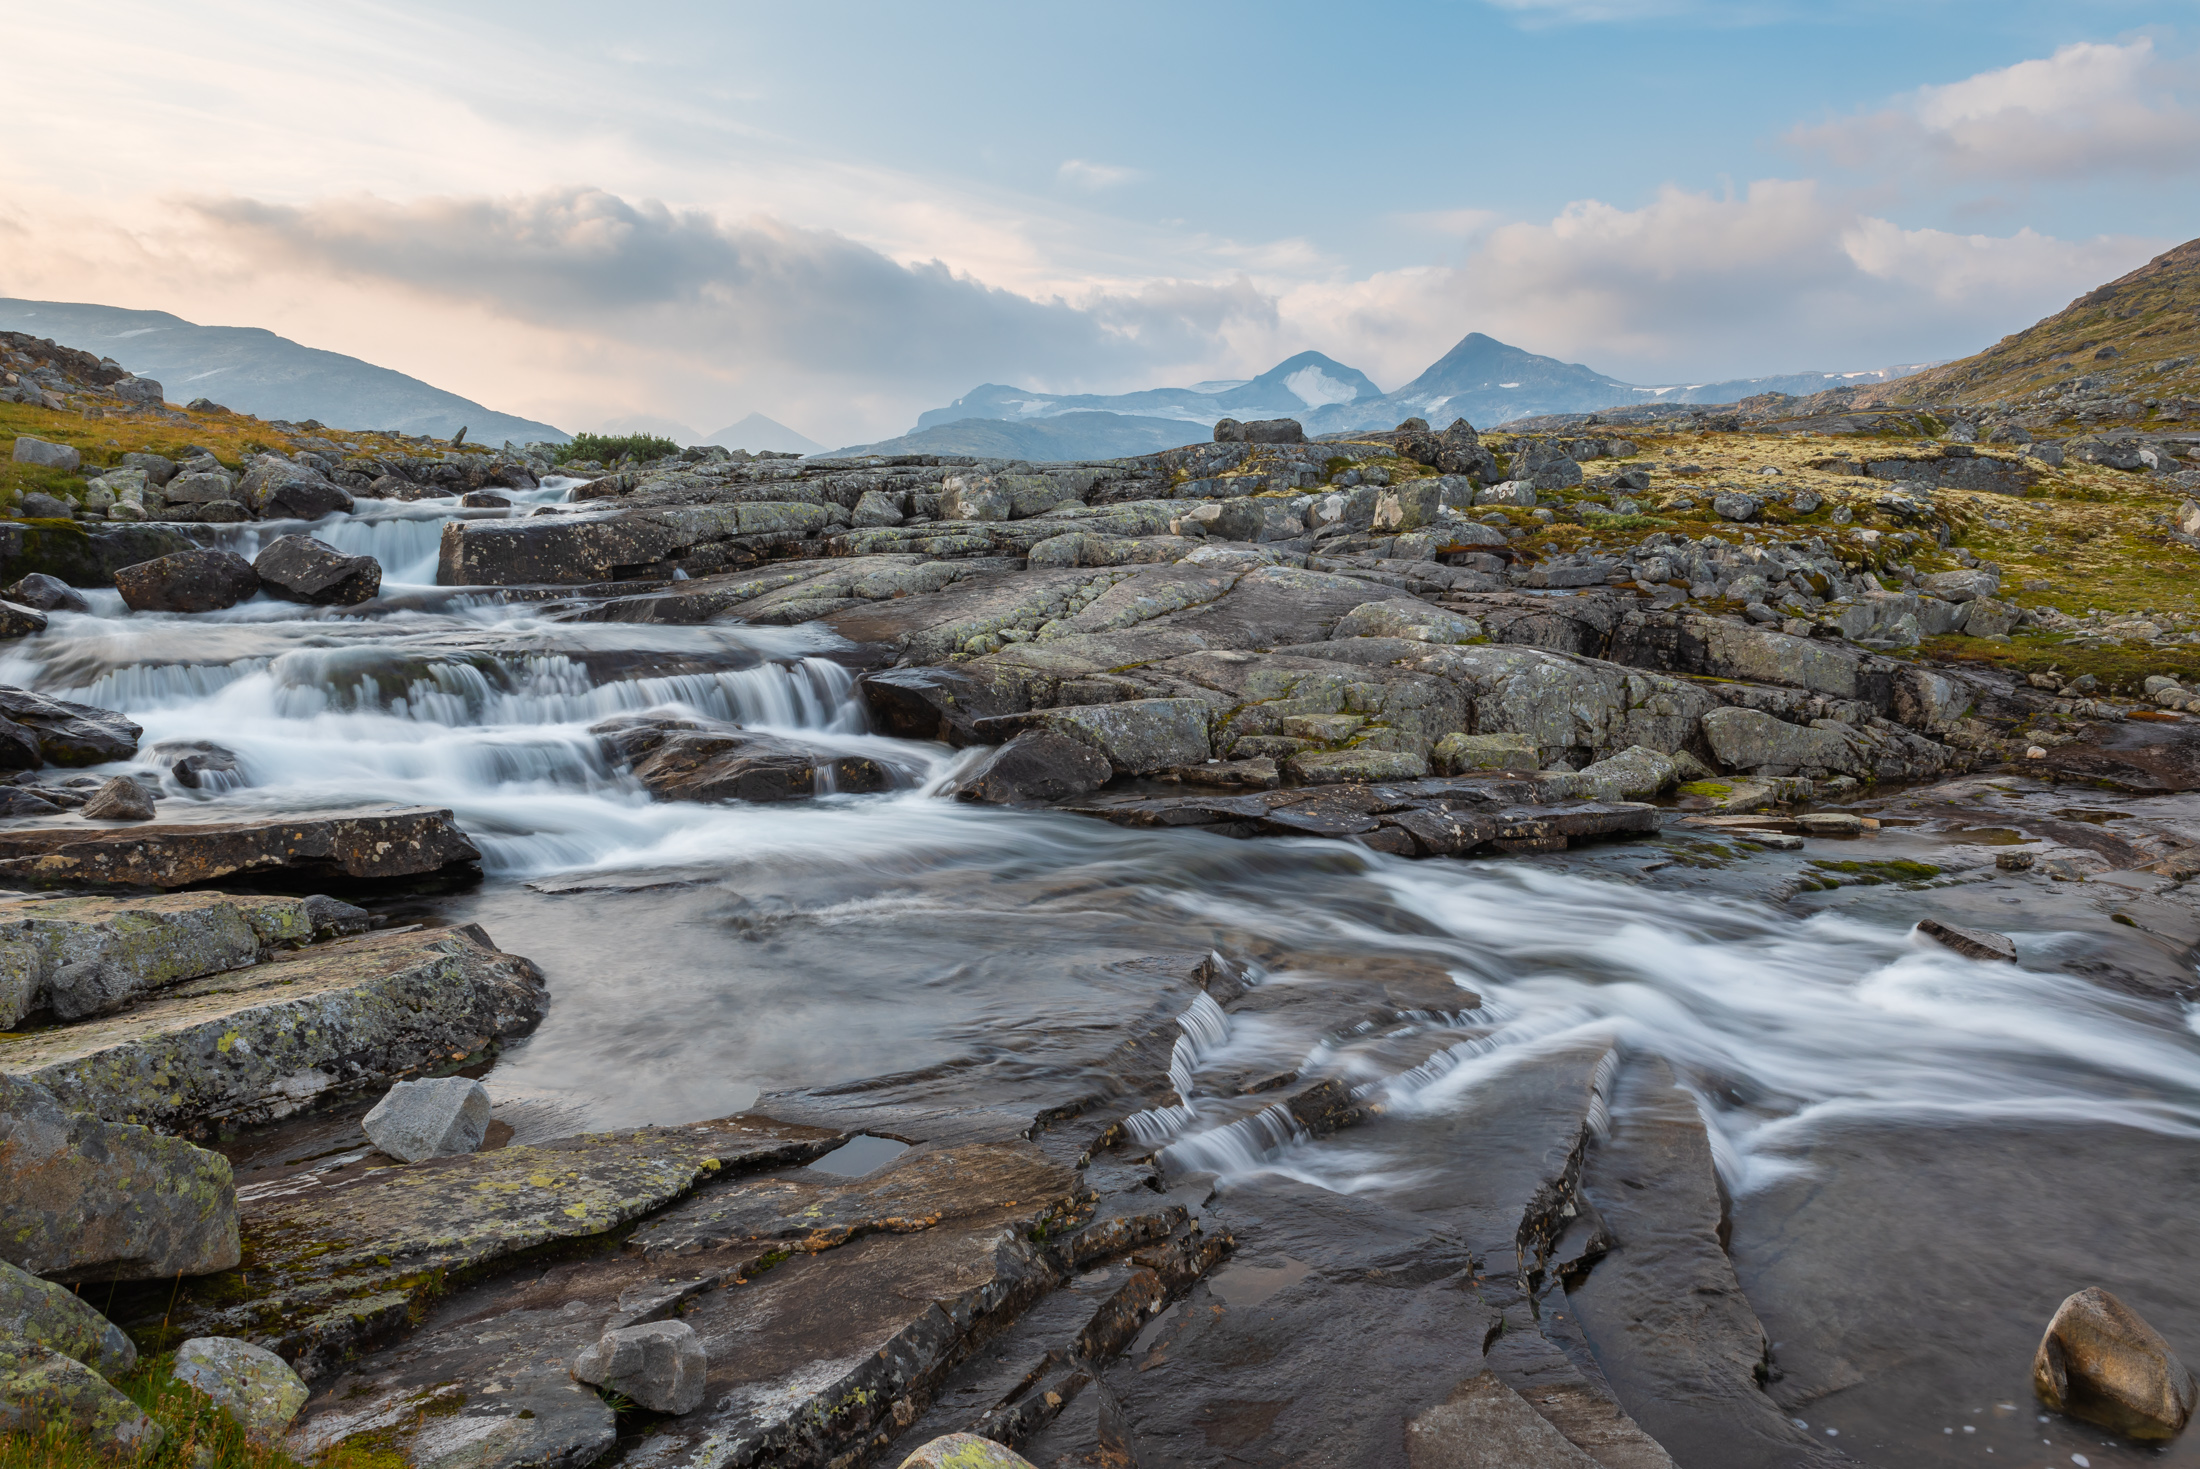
[1204, 1029]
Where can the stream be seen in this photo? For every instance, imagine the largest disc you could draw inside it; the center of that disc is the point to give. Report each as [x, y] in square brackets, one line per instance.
[1924, 1153]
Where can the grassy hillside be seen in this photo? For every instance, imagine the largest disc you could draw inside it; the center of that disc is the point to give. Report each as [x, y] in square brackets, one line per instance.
[2139, 333]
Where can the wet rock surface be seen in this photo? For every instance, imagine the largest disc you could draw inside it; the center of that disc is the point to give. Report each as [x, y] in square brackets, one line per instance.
[361, 846]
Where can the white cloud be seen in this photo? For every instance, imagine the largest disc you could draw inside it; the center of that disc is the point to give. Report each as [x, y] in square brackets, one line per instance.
[1093, 177]
[2090, 109]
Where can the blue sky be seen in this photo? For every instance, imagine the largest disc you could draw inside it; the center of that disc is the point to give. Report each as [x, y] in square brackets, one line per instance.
[839, 214]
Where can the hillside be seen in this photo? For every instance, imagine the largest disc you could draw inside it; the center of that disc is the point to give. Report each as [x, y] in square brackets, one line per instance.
[1068, 436]
[257, 372]
[2135, 338]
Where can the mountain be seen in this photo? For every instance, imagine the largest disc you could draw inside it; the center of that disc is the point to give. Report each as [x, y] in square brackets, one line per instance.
[1064, 436]
[256, 372]
[2145, 325]
[647, 423]
[1287, 390]
[756, 433]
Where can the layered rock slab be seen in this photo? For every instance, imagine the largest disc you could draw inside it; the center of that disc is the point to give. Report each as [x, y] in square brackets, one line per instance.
[363, 846]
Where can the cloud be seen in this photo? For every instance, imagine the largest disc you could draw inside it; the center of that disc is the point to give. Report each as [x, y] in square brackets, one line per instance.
[2089, 109]
[1694, 285]
[1093, 177]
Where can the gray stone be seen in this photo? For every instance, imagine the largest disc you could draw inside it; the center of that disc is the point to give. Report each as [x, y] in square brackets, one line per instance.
[1750, 739]
[302, 569]
[82, 1199]
[659, 1365]
[201, 487]
[1138, 736]
[1518, 493]
[1991, 619]
[157, 468]
[46, 593]
[1455, 754]
[335, 918]
[1039, 766]
[38, 505]
[2100, 1361]
[438, 1118]
[1330, 767]
[56, 1318]
[1545, 465]
[973, 497]
[1486, 1425]
[40, 1388]
[1409, 618]
[1733, 505]
[20, 622]
[1634, 774]
[1408, 507]
[120, 799]
[187, 581]
[50, 456]
[964, 1451]
[251, 1384]
[1971, 943]
[1960, 586]
[876, 507]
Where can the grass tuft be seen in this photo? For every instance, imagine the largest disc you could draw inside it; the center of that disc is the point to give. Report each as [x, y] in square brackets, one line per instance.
[199, 1435]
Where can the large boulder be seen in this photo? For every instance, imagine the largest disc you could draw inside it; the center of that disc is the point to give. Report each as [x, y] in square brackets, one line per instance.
[18, 621]
[437, 1118]
[302, 569]
[251, 1384]
[47, 455]
[1410, 618]
[943, 704]
[1634, 774]
[1260, 431]
[1750, 739]
[62, 733]
[973, 497]
[46, 593]
[274, 488]
[52, 1316]
[91, 1200]
[1034, 767]
[659, 1365]
[188, 581]
[2100, 1361]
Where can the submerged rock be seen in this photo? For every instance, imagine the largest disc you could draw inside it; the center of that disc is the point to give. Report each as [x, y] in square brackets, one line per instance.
[187, 581]
[429, 1119]
[2101, 1362]
[251, 1384]
[91, 1200]
[659, 1365]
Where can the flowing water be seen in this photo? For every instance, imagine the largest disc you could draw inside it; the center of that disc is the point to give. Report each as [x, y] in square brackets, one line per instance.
[700, 955]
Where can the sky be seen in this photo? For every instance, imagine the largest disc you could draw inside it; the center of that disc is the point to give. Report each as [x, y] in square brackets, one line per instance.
[841, 214]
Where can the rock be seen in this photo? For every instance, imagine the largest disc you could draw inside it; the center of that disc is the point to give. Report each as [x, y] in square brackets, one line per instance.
[1971, 943]
[1039, 766]
[51, 456]
[1750, 739]
[62, 733]
[2101, 1362]
[82, 1199]
[39, 1388]
[1409, 618]
[120, 799]
[46, 593]
[1634, 774]
[429, 1119]
[876, 507]
[302, 569]
[198, 764]
[973, 497]
[1545, 465]
[20, 622]
[1408, 507]
[403, 842]
[1486, 1425]
[311, 499]
[188, 581]
[1456, 754]
[943, 704]
[571, 551]
[658, 1365]
[1960, 586]
[132, 944]
[1261, 431]
[484, 500]
[1515, 492]
[158, 469]
[260, 1043]
[1327, 767]
[1733, 505]
[682, 761]
[1991, 619]
[202, 487]
[37, 505]
[965, 1451]
[251, 1384]
[1229, 431]
[334, 918]
[52, 1316]
[1138, 736]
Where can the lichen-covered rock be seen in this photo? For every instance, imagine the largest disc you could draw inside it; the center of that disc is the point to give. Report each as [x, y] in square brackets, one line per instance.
[2100, 1361]
[83, 1199]
[360, 845]
[1634, 774]
[39, 1388]
[252, 1384]
[437, 1118]
[1410, 618]
[1455, 754]
[56, 1318]
[137, 943]
[1750, 739]
[659, 1365]
[262, 1042]
[1138, 736]
[965, 1451]
[1329, 767]
[120, 799]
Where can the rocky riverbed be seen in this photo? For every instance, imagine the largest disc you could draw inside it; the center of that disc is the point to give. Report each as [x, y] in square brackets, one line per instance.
[1400, 950]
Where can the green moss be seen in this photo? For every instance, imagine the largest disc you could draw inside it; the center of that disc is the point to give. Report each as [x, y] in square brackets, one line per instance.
[1717, 790]
[1894, 871]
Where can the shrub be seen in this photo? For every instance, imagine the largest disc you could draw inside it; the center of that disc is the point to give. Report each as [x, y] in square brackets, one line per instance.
[611, 448]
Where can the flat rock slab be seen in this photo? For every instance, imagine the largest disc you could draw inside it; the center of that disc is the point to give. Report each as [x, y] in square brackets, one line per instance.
[259, 1043]
[333, 1260]
[137, 943]
[1415, 818]
[2135, 756]
[363, 846]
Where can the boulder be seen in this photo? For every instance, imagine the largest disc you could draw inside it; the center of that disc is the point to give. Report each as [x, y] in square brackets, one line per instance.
[251, 1384]
[964, 1451]
[1960, 586]
[1457, 753]
[198, 764]
[1971, 943]
[17, 621]
[876, 507]
[187, 581]
[1138, 736]
[202, 487]
[47, 455]
[437, 1118]
[1261, 431]
[2101, 1362]
[52, 1316]
[372, 846]
[1635, 774]
[1734, 505]
[1515, 492]
[1750, 739]
[1992, 619]
[131, 944]
[40, 1389]
[943, 704]
[335, 918]
[86, 1199]
[300, 499]
[63, 733]
[1034, 767]
[484, 500]
[1409, 618]
[679, 760]
[120, 799]
[46, 593]
[1330, 767]
[973, 497]
[38, 505]
[157, 468]
[1544, 465]
[302, 569]
[659, 1365]
[1412, 506]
